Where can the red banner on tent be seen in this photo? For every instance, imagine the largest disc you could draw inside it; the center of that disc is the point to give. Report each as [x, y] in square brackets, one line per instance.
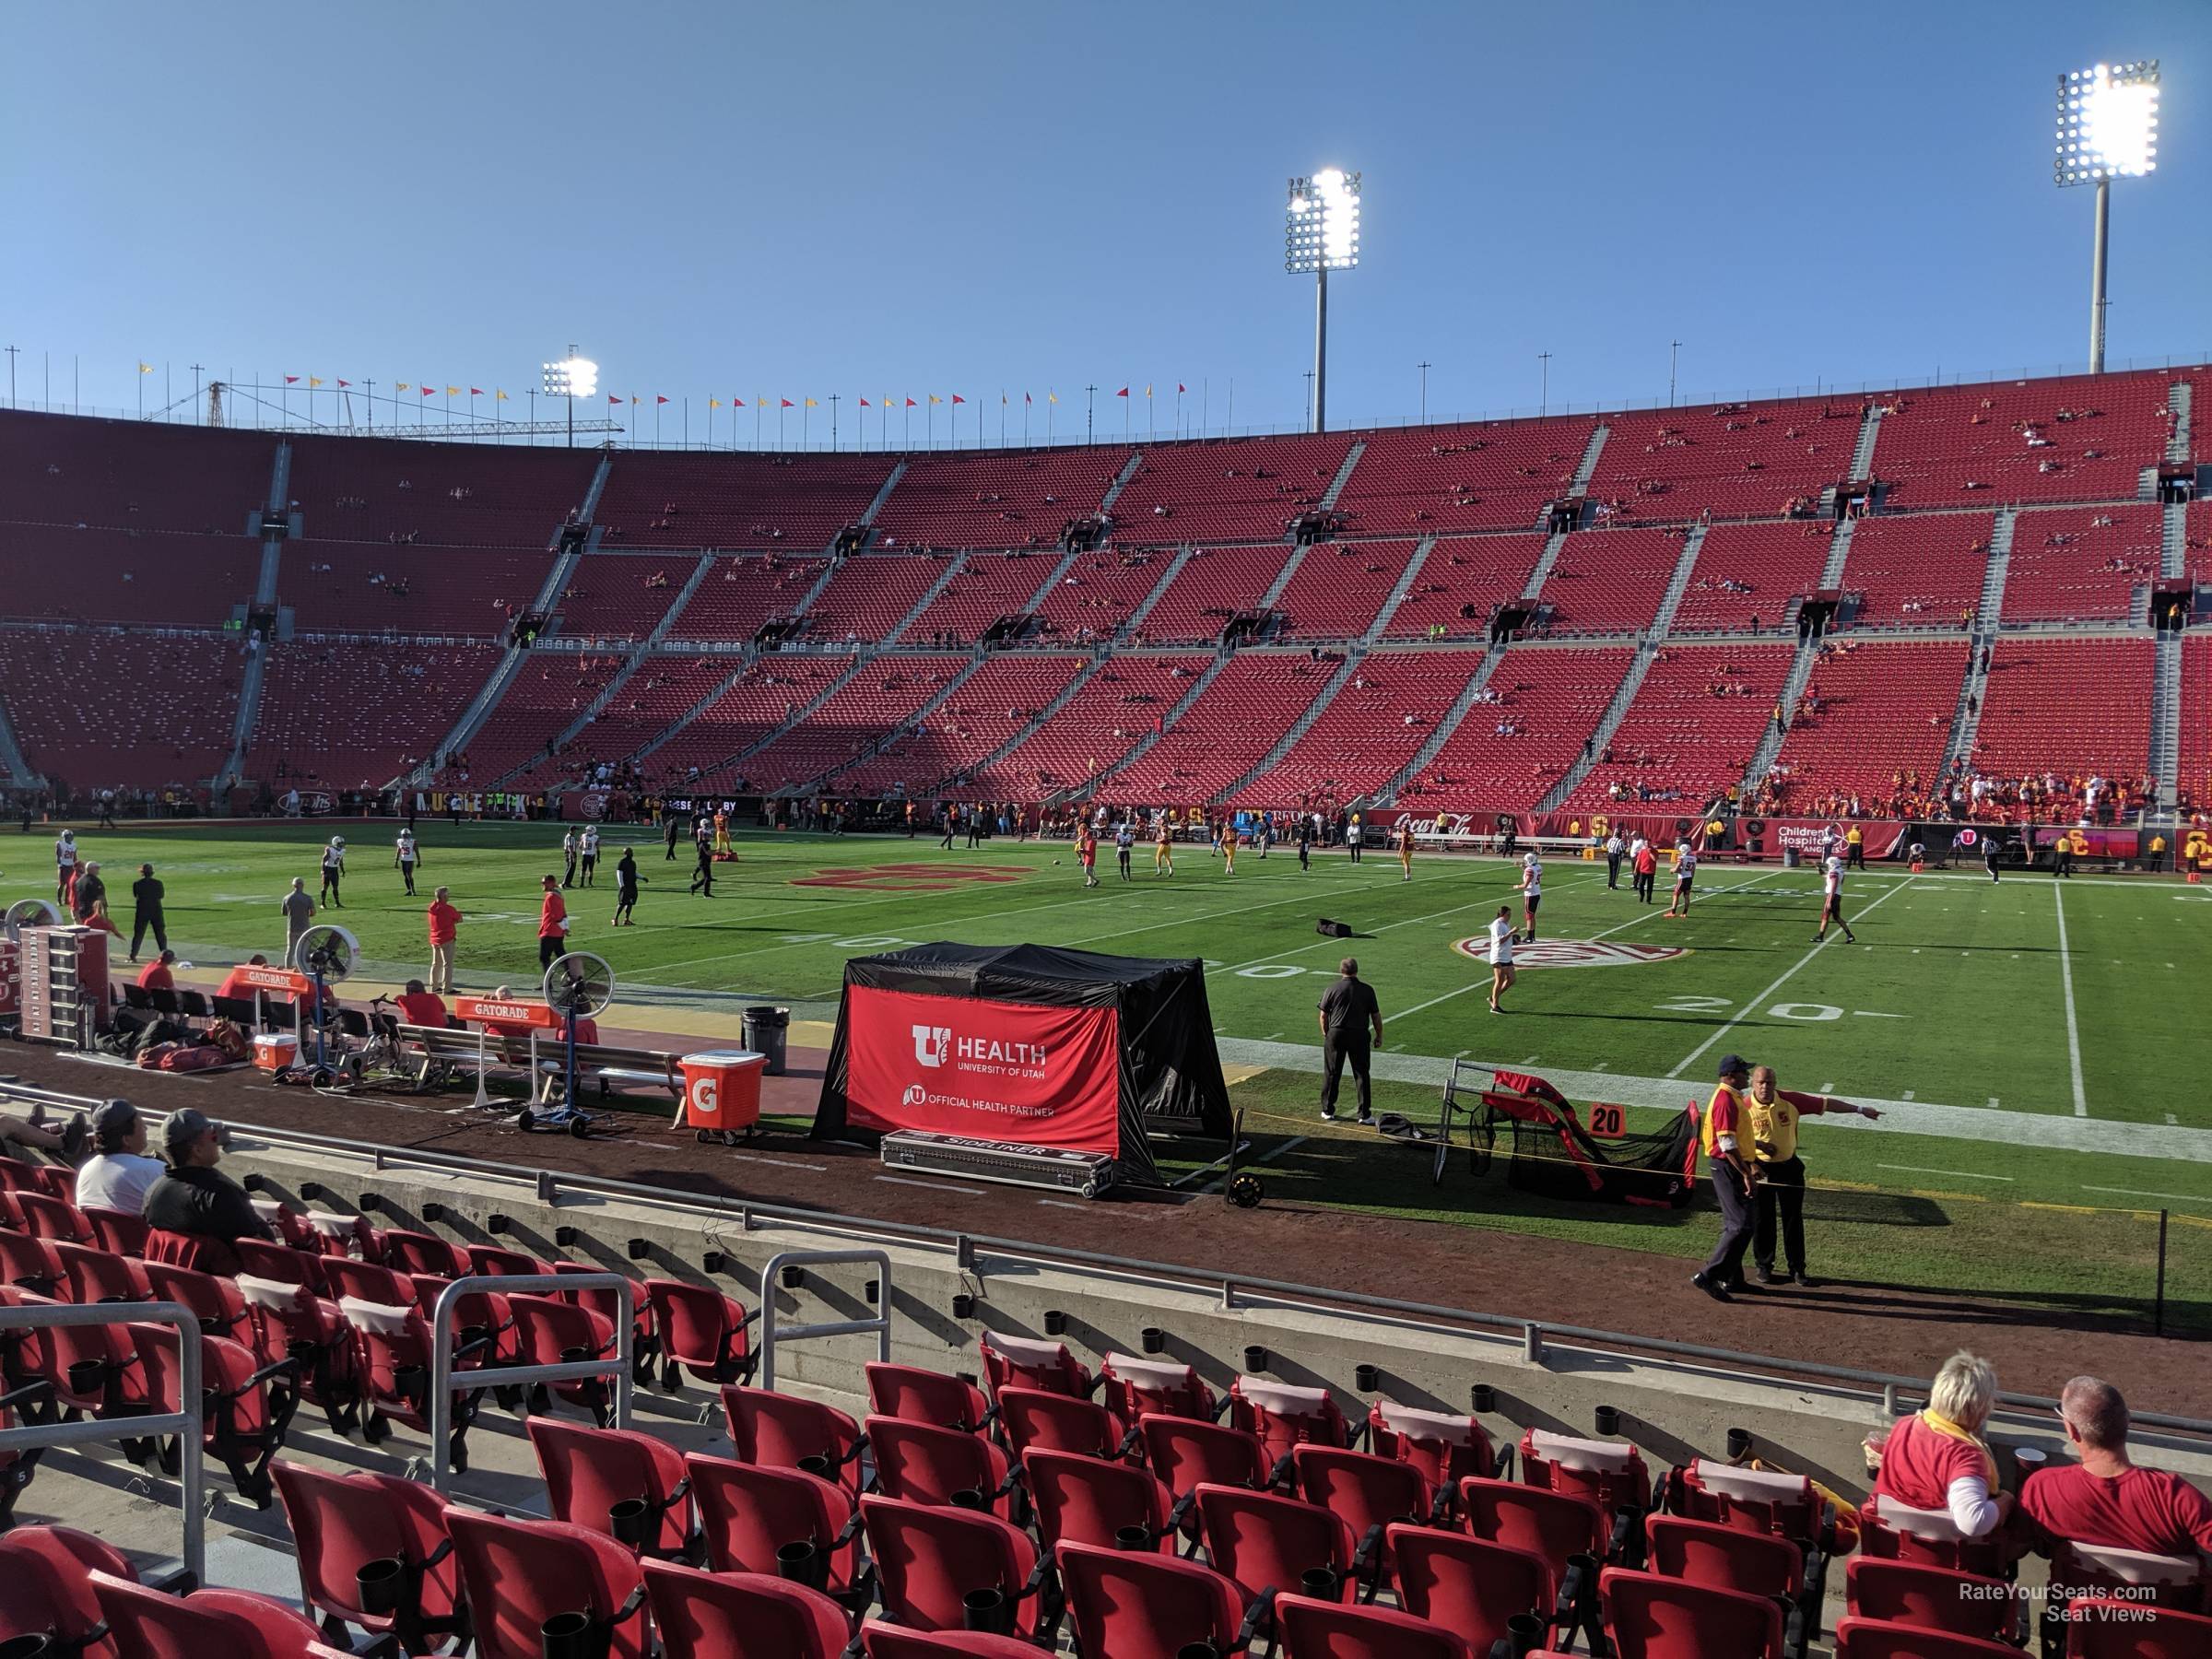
[996, 1071]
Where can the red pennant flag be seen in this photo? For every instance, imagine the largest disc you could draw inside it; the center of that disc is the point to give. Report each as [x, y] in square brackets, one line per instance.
[957, 398]
[291, 379]
[430, 391]
[1027, 399]
[1122, 393]
[658, 399]
[344, 382]
[612, 398]
[1181, 387]
[789, 405]
[475, 391]
[910, 403]
[863, 403]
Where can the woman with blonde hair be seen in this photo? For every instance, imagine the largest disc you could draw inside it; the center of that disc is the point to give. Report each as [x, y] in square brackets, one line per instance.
[1937, 1459]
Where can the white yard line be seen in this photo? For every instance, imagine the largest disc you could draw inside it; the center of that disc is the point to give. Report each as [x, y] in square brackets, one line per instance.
[2066, 978]
[2134, 1193]
[2048, 1131]
[1954, 1174]
[1789, 974]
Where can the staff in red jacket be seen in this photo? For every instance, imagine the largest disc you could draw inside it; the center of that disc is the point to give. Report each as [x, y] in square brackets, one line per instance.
[446, 925]
[552, 923]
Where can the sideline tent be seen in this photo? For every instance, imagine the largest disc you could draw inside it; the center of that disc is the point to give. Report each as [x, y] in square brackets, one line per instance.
[1027, 1044]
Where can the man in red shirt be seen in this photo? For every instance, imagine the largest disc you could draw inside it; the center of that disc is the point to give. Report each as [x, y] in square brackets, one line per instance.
[552, 923]
[156, 974]
[419, 1006]
[2105, 1500]
[235, 984]
[445, 924]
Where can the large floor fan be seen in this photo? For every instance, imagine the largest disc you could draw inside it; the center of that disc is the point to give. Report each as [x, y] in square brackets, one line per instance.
[30, 912]
[578, 985]
[326, 953]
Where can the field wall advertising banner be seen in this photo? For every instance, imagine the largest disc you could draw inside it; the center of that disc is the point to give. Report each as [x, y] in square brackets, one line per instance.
[994, 1071]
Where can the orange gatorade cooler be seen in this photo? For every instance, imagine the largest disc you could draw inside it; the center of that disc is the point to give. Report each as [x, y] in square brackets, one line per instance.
[275, 1050]
[722, 1092]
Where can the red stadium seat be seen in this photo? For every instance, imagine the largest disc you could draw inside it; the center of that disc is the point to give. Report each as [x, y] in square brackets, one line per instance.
[1469, 1585]
[1306, 1629]
[91, 1274]
[628, 1486]
[247, 1405]
[29, 1263]
[1035, 1419]
[784, 1431]
[1286, 1415]
[1872, 1639]
[149, 1624]
[1445, 1447]
[915, 1395]
[1085, 1501]
[921, 1463]
[1159, 1387]
[413, 1253]
[368, 1281]
[644, 1327]
[391, 1531]
[2100, 1627]
[1024, 1362]
[1146, 1606]
[888, 1642]
[946, 1569]
[1934, 1598]
[46, 1217]
[749, 1514]
[702, 1329]
[1265, 1541]
[1891, 1531]
[1611, 1474]
[397, 1357]
[46, 1586]
[740, 1615]
[213, 1299]
[289, 1321]
[116, 1231]
[1365, 1492]
[517, 1576]
[1649, 1616]
[551, 1332]
[1186, 1453]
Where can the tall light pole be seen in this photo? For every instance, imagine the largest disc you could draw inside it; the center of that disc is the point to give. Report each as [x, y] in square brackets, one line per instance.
[1320, 233]
[2107, 129]
[571, 378]
[1543, 391]
[1674, 349]
[1424, 366]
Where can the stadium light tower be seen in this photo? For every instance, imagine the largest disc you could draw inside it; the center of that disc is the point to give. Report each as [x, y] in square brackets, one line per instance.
[572, 377]
[1320, 233]
[2108, 128]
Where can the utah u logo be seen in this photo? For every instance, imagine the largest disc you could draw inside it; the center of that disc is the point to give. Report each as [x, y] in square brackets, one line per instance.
[932, 1043]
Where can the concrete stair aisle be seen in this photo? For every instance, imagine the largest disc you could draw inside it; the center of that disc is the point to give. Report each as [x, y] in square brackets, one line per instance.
[2173, 545]
[1678, 583]
[1282, 580]
[1608, 723]
[589, 508]
[1402, 591]
[20, 775]
[2180, 396]
[1839, 550]
[814, 592]
[1304, 724]
[1387, 796]
[743, 661]
[1045, 718]
[1121, 480]
[1344, 474]
[1538, 576]
[1059, 570]
[2165, 758]
[265, 594]
[1587, 467]
[1198, 689]
[1862, 455]
[882, 496]
[1966, 719]
[917, 718]
[799, 717]
[692, 583]
[1770, 745]
[952, 568]
[1137, 617]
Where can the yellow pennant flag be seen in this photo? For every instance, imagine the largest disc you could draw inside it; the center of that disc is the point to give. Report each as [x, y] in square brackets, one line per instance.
[145, 367]
[1052, 397]
[313, 381]
[935, 398]
[500, 397]
[452, 391]
[761, 405]
[399, 386]
[714, 403]
[812, 404]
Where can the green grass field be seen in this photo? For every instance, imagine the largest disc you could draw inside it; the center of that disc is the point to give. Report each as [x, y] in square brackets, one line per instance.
[2035, 1047]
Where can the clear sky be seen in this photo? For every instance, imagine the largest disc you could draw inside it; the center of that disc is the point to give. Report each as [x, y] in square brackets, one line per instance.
[863, 197]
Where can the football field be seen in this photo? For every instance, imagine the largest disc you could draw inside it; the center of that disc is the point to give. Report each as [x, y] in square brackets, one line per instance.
[2035, 1047]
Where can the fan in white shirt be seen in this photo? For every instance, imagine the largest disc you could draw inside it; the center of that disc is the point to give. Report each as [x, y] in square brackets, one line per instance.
[116, 1177]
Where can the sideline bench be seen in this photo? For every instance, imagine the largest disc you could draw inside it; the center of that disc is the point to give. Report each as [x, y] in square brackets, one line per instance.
[543, 1057]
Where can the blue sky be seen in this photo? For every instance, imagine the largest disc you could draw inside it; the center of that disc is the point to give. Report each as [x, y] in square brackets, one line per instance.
[870, 198]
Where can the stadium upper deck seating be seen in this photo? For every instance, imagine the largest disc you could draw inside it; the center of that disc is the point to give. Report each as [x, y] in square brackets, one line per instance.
[2085, 439]
[869, 595]
[163, 715]
[2196, 540]
[1461, 584]
[1732, 461]
[1212, 586]
[740, 593]
[2192, 769]
[1610, 581]
[551, 691]
[1338, 589]
[2066, 706]
[1692, 728]
[129, 475]
[70, 575]
[657, 694]
[457, 495]
[2081, 563]
[1111, 712]
[1747, 575]
[1094, 599]
[867, 711]
[986, 587]
[356, 713]
[1873, 712]
[1498, 475]
[1922, 572]
[1221, 490]
[1253, 700]
[794, 503]
[772, 690]
[355, 588]
[1374, 723]
[618, 596]
[995, 704]
[1011, 499]
[1539, 708]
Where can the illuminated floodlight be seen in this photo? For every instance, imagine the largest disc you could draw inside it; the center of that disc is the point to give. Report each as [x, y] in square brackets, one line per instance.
[573, 376]
[2107, 124]
[1321, 228]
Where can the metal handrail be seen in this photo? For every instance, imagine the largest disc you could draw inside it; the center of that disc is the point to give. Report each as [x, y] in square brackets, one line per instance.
[616, 1365]
[771, 1276]
[187, 1424]
[963, 1246]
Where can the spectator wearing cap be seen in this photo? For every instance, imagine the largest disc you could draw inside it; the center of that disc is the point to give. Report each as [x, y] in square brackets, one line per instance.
[118, 1174]
[146, 911]
[158, 974]
[1937, 1459]
[2104, 1500]
[202, 1210]
[1724, 1133]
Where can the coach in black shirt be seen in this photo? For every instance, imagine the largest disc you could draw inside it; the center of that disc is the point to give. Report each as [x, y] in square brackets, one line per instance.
[146, 911]
[1351, 1022]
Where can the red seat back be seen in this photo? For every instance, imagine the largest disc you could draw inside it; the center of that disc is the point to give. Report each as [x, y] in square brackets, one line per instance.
[2102, 1629]
[1468, 1584]
[748, 1511]
[1026, 1362]
[118, 1230]
[422, 1252]
[888, 1642]
[149, 1624]
[1306, 1629]
[365, 1281]
[923, 1463]
[1445, 1448]
[1144, 1607]
[45, 1583]
[1934, 1598]
[28, 1264]
[502, 1263]
[779, 1430]
[1873, 1638]
[193, 1250]
[1185, 1453]
[1611, 1474]
[1085, 1500]
[700, 1327]
[1652, 1617]
[929, 1559]
[1549, 1525]
[1286, 1416]
[214, 1301]
[925, 1396]
[341, 1522]
[1712, 1553]
[589, 1471]
[1264, 1540]
[1039, 1420]
[1361, 1489]
[46, 1217]
[517, 1574]
[740, 1615]
[95, 1276]
[1136, 1386]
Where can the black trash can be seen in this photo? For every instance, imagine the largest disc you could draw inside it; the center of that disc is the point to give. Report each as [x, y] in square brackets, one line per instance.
[765, 1031]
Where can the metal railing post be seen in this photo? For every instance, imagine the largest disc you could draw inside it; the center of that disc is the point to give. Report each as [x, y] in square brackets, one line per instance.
[771, 1276]
[188, 1424]
[616, 1365]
